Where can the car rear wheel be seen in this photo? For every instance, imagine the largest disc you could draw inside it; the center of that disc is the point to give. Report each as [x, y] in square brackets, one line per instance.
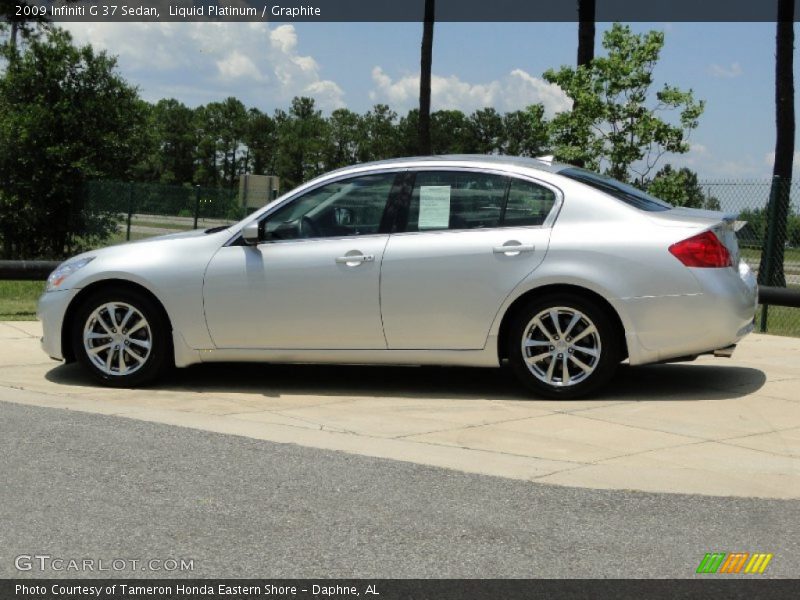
[563, 346]
[121, 338]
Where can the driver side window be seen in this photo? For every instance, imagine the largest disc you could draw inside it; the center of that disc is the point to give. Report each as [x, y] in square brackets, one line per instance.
[341, 209]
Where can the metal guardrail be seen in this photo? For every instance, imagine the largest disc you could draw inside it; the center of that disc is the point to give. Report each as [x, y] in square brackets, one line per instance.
[27, 270]
[38, 270]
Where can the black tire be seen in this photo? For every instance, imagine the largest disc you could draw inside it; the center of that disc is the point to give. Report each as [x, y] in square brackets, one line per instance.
[158, 331]
[606, 336]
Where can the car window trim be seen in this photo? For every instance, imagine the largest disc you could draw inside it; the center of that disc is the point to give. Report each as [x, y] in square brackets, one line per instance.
[509, 175]
[237, 239]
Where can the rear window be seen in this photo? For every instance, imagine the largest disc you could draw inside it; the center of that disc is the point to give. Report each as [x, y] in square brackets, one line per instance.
[621, 191]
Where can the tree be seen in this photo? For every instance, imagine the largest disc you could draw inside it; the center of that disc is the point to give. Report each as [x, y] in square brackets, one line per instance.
[379, 127]
[65, 117]
[526, 132]
[172, 124]
[485, 131]
[586, 27]
[616, 119]
[261, 139]
[680, 188]
[302, 142]
[770, 271]
[449, 132]
[426, 62]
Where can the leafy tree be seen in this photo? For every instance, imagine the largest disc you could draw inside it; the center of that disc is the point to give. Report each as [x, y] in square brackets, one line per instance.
[485, 131]
[379, 127]
[526, 132]
[172, 125]
[616, 118]
[302, 141]
[449, 132]
[65, 117]
[678, 187]
[260, 138]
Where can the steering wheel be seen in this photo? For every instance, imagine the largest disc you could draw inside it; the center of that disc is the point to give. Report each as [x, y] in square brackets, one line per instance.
[308, 228]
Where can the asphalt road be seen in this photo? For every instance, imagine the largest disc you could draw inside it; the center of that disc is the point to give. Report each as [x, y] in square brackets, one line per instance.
[77, 486]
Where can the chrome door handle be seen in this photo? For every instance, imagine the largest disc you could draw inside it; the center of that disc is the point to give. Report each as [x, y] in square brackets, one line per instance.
[513, 250]
[354, 260]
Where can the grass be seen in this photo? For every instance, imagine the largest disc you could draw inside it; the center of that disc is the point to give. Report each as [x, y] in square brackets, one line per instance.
[781, 320]
[18, 300]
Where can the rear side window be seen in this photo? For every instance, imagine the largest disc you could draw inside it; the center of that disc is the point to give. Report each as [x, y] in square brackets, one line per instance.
[470, 200]
[528, 204]
[621, 191]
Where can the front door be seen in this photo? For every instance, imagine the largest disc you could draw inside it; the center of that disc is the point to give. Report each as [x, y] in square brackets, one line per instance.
[313, 282]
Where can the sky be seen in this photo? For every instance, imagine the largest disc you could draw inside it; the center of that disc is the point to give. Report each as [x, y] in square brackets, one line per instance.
[356, 65]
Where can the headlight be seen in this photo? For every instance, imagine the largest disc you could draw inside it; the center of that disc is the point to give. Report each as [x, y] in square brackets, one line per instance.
[64, 270]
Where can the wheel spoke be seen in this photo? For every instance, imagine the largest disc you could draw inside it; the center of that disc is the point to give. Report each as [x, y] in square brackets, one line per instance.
[564, 370]
[582, 365]
[589, 351]
[538, 357]
[575, 318]
[102, 322]
[538, 323]
[550, 369]
[98, 349]
[126, 318]
[529, 343]
[122, 367]
[138, 326]
[97, 336]
[141, 343]
[588, 331]
[135, 356]
[554, 320]
[109, 358]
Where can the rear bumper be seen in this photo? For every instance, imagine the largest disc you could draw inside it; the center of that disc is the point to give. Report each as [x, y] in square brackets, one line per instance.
[718, 316]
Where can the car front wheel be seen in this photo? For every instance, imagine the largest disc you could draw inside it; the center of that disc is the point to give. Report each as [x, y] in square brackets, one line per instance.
[121, 338]
[563, 346]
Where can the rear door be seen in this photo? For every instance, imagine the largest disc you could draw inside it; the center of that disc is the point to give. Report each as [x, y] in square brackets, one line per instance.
[467, 239]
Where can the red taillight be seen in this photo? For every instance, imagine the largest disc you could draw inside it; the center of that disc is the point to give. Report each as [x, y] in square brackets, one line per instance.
[702, 250]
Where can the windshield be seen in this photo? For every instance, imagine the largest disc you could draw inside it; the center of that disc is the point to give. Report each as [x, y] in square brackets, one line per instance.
[621, 191]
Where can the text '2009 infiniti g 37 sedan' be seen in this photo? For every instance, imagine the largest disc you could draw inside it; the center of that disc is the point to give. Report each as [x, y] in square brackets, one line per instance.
[462, 260]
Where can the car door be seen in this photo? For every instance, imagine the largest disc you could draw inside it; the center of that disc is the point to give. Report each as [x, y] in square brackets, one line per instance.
[469, 239]
[313, 281]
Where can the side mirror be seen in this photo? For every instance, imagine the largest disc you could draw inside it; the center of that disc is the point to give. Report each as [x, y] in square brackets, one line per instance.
[250, 234]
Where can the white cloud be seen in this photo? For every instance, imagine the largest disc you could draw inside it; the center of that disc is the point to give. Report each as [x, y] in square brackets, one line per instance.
[260, 65]
[516, 90]
[769, 159]
[722, 72]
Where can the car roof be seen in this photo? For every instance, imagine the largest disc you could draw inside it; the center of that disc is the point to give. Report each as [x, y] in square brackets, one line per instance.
[490, 160]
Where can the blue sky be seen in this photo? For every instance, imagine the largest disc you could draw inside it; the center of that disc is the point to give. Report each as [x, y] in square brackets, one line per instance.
[730, 65]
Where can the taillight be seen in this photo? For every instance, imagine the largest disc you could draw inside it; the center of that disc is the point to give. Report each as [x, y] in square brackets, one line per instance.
[702, 250]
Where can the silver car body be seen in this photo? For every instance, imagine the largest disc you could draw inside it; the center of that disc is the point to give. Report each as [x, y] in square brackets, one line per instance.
[428, 297]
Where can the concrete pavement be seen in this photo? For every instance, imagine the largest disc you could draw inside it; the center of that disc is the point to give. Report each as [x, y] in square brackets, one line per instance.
[728, 427]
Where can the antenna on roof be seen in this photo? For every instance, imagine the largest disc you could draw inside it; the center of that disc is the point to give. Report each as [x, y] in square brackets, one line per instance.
[546, 159]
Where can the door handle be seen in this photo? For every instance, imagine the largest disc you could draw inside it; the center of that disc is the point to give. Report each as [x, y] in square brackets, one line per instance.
[513, 249]
[354, 260]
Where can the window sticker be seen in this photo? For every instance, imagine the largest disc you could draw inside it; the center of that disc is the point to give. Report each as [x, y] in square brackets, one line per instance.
[434, 207]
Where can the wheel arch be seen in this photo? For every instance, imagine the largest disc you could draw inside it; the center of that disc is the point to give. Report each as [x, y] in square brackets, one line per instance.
[523, 299]
[80, 297]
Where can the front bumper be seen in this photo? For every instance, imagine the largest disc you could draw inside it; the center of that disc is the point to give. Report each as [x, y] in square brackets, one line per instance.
[50, 311]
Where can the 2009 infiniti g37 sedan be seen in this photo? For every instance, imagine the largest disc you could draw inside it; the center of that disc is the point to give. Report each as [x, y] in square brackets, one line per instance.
[463, 260]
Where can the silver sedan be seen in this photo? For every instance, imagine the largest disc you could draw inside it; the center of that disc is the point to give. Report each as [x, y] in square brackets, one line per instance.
[465, 260]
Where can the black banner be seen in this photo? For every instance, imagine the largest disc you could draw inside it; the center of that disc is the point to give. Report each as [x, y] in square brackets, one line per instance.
[394, 10]
[395, 589]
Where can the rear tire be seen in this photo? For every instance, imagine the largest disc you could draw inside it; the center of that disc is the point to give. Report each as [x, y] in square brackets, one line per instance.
[122, 338]
[563, 346]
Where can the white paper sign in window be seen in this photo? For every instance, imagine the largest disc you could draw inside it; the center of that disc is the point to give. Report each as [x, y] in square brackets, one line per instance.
[434, 207]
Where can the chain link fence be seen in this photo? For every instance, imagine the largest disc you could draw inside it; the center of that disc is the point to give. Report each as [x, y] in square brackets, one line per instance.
[769, 241]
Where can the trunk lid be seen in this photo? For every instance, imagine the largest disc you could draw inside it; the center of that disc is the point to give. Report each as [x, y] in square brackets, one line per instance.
[724, 225]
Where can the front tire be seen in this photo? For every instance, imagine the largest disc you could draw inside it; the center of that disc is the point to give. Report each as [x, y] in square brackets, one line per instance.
[121, 338]
[563, 346]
